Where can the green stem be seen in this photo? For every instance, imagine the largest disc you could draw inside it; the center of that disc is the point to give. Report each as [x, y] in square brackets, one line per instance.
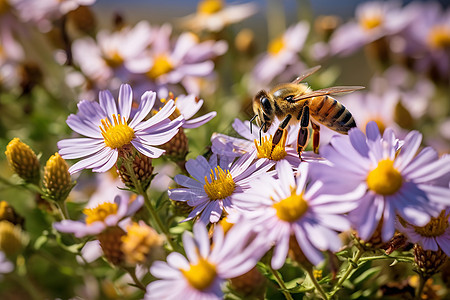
[403, 258]
[316, 284]
[350, 269]
[136, 280]
[159, 224]
[420, 287]
[281, 283]
[62, 208]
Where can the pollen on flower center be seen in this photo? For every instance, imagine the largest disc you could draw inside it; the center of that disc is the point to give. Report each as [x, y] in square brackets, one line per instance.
[265, 149]
[113, 59]
[209, 7]
[439, 37]
[436, 227]
[161, 66]
[276, 45]
[117, 135]
[291, 208]
[385, 179]
[221, 184]
[100, 213]
[371, 22]
[201, 275]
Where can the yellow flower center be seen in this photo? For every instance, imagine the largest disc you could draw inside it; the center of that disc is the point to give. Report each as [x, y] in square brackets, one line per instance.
[436, 227]
[209, 7]
[117, 135]
[291, 208]
[161, 66]
[139, 241]
[439, 37]
[113, 59]
[201, 275]
[371, 22]
[100, 213]
[385, 179]
[221, 184]
[265, 149]
[276, 45]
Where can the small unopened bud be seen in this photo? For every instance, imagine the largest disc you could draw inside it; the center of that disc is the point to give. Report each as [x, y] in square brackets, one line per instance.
[143, 170]
[142, 244]
[111, 243]
[12, 238]
[428, 262]
[7, 213]
[250, 285]
[23, 161]
[57, 181]
[178, 147]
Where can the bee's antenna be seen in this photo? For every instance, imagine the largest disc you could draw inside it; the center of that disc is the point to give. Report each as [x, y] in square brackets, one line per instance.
[251, 122]
[260, 134]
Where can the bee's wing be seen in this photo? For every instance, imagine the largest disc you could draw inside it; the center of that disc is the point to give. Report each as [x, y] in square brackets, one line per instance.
[306, 74]
[329, 91]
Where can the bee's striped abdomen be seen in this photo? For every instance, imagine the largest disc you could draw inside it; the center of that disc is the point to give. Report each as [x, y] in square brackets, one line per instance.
[329, 112]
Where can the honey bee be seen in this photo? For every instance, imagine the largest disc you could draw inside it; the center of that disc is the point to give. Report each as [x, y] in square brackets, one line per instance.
[295, 102]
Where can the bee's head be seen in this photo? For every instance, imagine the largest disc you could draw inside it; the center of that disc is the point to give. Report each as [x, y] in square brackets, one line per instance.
[264, 110]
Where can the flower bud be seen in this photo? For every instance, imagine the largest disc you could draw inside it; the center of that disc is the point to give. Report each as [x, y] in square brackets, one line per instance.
[143, 170]
[178, 147]
[7, 213]
[428, 262]
[142, 244]
[12, 238]
[57, 181]
[111, 243]
[23, 161]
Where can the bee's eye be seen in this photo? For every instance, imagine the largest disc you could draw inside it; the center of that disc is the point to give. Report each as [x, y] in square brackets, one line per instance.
[289, 98]
[266, 105]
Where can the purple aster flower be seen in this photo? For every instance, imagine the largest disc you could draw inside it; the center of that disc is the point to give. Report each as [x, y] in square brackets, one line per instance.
[182, 62]
[282, 208]
[374, 20]
[43, 12]
[104, 60]
[107, 214]
[207, 267]
[214, 15]
[250, 143]
[428, 39]
[397, 182]
[109, 129]
[215, 185]
[434, 235]
[282, 52]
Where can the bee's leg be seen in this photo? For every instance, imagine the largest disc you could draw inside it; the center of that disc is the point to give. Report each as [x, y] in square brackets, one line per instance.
[279, 133]
[316, 136]
[303, 133]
